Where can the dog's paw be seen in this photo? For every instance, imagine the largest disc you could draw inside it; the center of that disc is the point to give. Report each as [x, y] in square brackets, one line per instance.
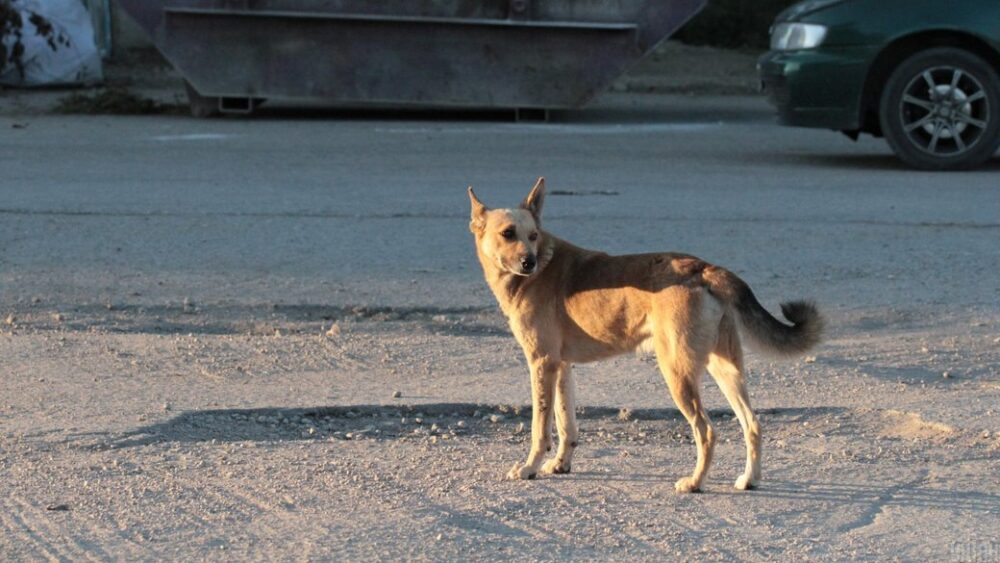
[745, 483]
[521, 472]
[556, 466]
[687, 485]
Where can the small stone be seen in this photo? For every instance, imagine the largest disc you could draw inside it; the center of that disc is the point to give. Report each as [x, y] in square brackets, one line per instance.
[397, 394]
[10, 319]
[520, 428]
[460, 424]
[946, 375]
[57, 317]
[496, 418]
[809, 359]
[166, 407]
[418, 420]
[333, 331]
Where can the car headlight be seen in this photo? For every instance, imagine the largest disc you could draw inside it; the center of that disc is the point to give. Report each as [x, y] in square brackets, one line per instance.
[792, 36]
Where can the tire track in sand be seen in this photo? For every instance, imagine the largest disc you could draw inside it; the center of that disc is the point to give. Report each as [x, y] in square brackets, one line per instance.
[26, 523]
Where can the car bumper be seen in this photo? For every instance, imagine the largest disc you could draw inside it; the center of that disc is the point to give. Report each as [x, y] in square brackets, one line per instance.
[817, 88]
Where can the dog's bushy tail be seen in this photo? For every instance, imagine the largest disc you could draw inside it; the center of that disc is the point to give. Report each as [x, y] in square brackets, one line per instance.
[768, 333]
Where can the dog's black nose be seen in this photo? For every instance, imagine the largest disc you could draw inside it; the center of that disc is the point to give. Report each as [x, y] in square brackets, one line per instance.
[528, 263]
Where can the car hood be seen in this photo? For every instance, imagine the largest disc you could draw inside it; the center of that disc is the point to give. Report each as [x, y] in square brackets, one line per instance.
[802, 9]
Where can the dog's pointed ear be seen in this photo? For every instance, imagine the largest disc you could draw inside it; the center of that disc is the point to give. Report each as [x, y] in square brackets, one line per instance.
[478, 222]
[535, 199]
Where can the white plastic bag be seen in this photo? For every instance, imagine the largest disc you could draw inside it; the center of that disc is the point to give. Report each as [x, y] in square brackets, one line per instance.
[63, 55]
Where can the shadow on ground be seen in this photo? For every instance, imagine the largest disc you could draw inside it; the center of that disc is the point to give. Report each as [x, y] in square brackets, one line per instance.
[909, 494]
[260, 320]
[383, 422]
[861, 162]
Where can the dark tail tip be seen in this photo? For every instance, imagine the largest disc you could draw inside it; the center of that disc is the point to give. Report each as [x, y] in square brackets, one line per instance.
[807, 321]
[799, 312]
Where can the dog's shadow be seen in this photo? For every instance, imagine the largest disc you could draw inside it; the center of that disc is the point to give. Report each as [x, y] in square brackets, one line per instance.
[370, 422]
[471, 420]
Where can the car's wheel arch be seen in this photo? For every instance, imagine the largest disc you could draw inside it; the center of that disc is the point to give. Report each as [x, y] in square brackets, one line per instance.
[902, 48]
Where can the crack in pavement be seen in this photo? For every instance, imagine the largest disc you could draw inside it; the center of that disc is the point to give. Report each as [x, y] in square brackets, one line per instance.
[552, 217]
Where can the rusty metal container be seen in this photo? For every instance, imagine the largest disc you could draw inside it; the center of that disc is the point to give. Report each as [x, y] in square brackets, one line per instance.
[405, 53]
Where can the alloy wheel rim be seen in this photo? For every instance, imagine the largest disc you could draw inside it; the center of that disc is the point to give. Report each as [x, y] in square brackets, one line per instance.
[944, 111]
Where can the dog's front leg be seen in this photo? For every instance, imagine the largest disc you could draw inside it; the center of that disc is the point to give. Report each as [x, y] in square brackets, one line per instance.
[543, 378]
[565, 411]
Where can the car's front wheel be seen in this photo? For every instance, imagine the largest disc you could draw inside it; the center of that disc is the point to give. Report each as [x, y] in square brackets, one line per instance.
[940, 110]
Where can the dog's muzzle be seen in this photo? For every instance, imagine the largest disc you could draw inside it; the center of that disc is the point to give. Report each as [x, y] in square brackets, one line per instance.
[528, 264]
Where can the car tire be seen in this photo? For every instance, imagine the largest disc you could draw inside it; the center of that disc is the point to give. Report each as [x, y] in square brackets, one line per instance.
[940, 110]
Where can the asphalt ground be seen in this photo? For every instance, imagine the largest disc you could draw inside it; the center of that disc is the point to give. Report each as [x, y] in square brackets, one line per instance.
[205, 324]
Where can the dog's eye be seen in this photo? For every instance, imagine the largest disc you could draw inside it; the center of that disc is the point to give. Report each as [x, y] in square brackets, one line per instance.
[533, 237]
[508, 234]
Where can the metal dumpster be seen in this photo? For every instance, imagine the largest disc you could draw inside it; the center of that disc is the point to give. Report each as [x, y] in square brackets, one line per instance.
[405, 53]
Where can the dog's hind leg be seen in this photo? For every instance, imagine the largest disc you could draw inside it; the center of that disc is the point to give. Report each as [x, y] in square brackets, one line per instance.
[725, 363]
[682, 368]
[565, 422]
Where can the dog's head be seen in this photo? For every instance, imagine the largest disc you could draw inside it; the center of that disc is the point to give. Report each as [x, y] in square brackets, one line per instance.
[510, 238]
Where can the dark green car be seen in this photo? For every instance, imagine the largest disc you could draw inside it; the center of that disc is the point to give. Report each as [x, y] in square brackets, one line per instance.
[921, 73]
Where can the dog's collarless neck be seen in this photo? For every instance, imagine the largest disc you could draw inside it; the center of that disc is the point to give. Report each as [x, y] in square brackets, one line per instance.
[509, 288]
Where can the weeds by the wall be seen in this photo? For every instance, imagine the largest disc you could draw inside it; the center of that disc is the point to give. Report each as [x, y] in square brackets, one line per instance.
[114, 100]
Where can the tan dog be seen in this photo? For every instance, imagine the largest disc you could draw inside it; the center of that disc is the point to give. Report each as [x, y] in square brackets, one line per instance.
[568, 305]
